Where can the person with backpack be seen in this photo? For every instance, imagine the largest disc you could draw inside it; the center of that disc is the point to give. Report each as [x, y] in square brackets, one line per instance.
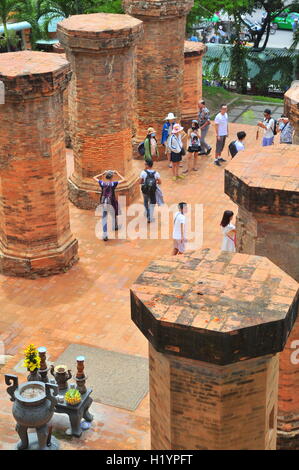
[151, 151]
[177, 151]
[108, 199]
[149, 180]
[166, 133]
[237, 145]
[270, 128]
[193, 146]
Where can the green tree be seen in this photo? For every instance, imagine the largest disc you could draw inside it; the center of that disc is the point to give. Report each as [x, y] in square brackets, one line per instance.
[76, 7]
[32, 11]
[7, 7]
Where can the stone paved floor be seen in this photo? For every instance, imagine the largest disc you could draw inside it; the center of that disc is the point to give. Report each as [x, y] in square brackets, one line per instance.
[252, 113]
[90, 304]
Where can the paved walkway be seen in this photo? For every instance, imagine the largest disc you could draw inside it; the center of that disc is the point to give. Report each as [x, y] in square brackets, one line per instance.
[252, 113]
[90, 303]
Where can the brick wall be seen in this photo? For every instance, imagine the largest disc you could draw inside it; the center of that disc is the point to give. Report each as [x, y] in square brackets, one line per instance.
[101, 100]
[35, 236]
[291, 104]
[193, 53]
[196, 405]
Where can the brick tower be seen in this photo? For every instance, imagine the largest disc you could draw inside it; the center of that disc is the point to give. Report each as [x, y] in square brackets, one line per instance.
[193, 52]
[35, 236]
[160, 60]
[291, 103]
[100, 48]
[214, 326]
[265, 186]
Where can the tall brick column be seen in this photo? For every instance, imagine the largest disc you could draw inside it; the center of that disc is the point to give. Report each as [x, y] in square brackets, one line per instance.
[160, 60]
[100, 48]
[215, 324]
[291, 103]
[193, 52]
[35, 236]
[265, 186]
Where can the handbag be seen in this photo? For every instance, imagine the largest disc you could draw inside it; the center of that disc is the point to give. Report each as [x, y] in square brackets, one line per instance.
[183, 152]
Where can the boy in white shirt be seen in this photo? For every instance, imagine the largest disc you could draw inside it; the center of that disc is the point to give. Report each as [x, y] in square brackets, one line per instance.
[179, 230]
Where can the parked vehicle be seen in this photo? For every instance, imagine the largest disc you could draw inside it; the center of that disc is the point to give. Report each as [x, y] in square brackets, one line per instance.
[285, 20]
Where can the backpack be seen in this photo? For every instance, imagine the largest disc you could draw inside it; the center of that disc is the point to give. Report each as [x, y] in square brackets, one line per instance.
[233, 149]
[150, 184]
[141, 149]
[107, 195]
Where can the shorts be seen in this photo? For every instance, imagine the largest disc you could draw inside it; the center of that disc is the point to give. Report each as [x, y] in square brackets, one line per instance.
[178, 245]
[267, 141]
[192, 149]
[175, 157]
[220, 144]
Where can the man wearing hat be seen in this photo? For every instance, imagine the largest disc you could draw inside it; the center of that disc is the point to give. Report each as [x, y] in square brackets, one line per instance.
[166, 133]
[151, 151]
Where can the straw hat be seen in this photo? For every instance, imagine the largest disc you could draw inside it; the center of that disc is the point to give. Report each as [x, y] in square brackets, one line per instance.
[177, 128]
[151, 130]
[170, 116]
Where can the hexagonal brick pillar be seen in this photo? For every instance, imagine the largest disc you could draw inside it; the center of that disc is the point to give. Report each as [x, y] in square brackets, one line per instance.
[160, 60]
[291, 104]
[215, 323]
[193, 52]
[35, 235]
[265, 186]
[101, 49]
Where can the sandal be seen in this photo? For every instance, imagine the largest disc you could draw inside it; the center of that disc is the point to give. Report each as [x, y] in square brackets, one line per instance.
[195, 169]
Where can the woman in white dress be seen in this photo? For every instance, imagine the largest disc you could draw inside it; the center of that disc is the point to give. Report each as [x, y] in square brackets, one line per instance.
[229, 232]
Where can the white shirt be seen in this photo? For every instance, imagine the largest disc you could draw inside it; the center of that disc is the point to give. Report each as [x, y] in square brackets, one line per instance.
[270, 126]
[222, 121]
[143, 174]
[175, 143]
[239, 145]
[179, 219]
[228, 243]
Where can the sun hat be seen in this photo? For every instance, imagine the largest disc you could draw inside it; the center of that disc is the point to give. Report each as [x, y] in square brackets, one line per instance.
[170, 116]
[151, 130]
[177, 128]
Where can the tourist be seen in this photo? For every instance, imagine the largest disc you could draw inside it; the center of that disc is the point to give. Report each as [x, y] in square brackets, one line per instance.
[221, 127]
[204, 124]
[229, 232]
[149, 180]
[179, 229]
[237, 145]
[286, 130]
[151, 151]
[166, 133]
[193, 146]
[108, 201]
[268, 124]
[176, 150]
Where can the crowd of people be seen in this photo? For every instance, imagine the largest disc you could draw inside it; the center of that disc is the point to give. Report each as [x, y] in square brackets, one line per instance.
[174, 141]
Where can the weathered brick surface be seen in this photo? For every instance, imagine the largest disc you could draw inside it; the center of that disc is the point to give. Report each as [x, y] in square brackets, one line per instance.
[160, 60]
[101, 50]
[35, 236]
[193, 52]
[218, 307]
[291, 103]
[266, 188]
[196, 405]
